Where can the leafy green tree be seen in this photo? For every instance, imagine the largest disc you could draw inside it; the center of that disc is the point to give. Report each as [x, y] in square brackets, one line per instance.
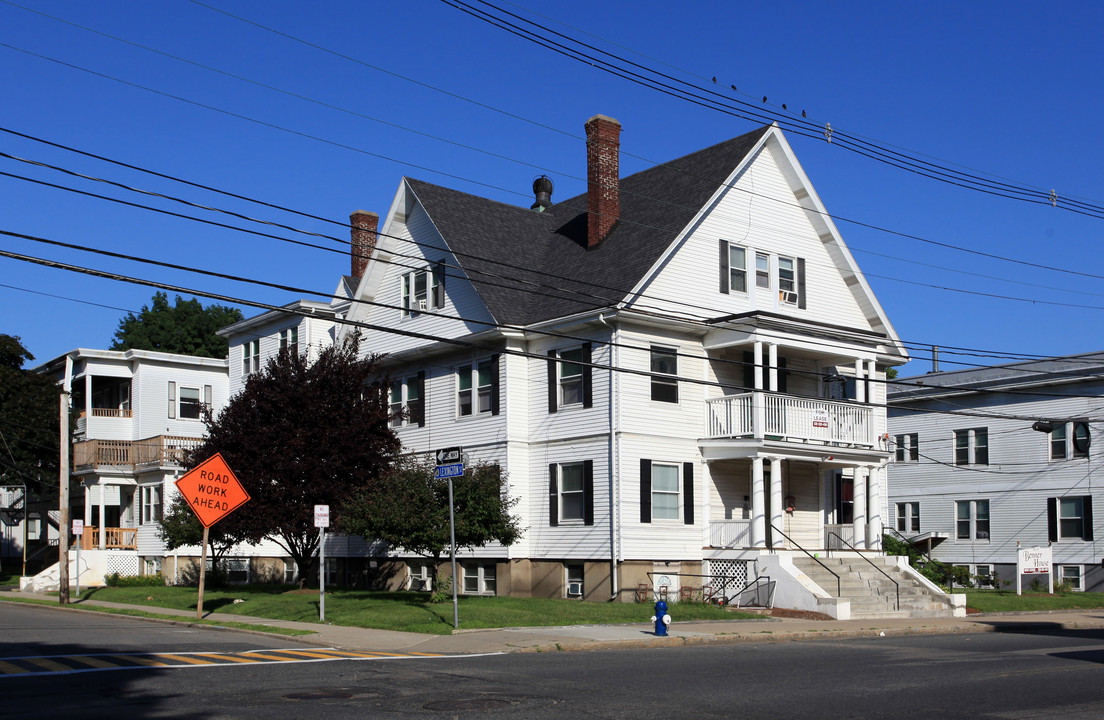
[186, 328]
[28, 418]
[412, 511]
[301, 434]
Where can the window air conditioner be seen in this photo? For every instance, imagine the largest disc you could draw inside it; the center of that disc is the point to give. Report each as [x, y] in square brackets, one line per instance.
[421, 306]
[574, 589]
[789, 297]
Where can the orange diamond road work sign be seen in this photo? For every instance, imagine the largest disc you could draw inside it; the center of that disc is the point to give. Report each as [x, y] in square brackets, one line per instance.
[212, 490]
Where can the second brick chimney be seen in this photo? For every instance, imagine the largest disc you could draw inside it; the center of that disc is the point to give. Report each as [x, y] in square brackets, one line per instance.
[603, 178]
[364, 226]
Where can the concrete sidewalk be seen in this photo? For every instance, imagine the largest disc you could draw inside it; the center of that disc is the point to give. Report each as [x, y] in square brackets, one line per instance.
[641, 635]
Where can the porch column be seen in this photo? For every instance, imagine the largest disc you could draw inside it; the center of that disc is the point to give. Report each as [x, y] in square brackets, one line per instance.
[776, 500]
[103, 530]
[758, 530]
[877, 501]
[860, 384]
[859, 507]
[772, 360]
[757, 358]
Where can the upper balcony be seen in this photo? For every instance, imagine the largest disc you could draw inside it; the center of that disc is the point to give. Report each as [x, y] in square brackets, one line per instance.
[162, 450]
[761, 415]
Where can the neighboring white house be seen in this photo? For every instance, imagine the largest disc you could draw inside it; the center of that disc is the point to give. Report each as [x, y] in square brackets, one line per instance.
[995, 458]
[138, 411]
[680, 370]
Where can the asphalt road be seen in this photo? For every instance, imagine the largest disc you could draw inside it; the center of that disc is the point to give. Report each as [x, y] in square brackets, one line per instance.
[1012, 676]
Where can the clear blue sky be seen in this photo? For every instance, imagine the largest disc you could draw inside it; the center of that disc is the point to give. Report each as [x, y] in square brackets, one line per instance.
[1009, 89]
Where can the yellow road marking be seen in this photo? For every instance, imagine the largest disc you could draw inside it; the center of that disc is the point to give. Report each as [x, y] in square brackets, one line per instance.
[231, 658]
[331, 654]
[425, 654]
[48, 664]
[9, 669]
[140, 660]
[185, 659]
[92, 662]
[267, 657]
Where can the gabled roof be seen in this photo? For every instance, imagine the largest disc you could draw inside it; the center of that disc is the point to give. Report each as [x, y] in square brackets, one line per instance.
[549, 271]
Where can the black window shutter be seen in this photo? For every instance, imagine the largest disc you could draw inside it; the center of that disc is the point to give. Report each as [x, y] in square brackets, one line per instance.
[421, 399]
[688, 493]
[553, 495]
[1052, 519]
[588, 396]
[801, 283]
[724, 266]
[588, 492]
[645, 490]
[1087, 533]
[439, 284]
[552, 387]
[495, 369]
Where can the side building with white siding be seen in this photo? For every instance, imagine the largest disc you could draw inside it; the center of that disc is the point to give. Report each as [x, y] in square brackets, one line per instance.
[992, 459]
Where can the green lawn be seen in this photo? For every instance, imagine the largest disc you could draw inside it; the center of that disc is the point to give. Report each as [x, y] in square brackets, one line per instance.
[1009, 601]
[407, 611]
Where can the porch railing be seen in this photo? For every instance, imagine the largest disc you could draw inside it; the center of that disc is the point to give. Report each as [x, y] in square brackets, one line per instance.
[834, 534]
[111, 413]
[773, 415]
[159, 450]
[114, 538]
[730, 533]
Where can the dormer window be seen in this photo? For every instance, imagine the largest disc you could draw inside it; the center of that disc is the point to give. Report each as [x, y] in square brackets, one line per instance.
[289, 340]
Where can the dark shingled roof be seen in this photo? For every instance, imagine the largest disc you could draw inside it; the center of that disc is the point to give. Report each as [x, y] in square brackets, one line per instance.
[549, 272]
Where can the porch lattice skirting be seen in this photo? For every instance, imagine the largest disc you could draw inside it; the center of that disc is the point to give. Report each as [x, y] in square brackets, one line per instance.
[737, 569]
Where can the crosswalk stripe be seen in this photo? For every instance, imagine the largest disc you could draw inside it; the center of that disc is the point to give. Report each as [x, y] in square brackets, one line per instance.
[9, 669]
[92, 661]
[185, 659]
[48, 664]
[228, 658]
[267, 657]
[316, 654]
[140, 660]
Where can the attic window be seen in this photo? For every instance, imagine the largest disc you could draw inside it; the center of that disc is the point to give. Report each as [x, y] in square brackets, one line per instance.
[423, 290]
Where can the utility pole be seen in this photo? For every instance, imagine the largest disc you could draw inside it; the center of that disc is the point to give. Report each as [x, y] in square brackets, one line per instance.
[63, 501]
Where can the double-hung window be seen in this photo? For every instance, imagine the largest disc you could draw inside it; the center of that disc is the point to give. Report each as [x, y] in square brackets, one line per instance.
[787, 280]
[1072, 575]
[734, 268]
[151, 504]
[289, 340]
[972, 519]
[762, 270]
[666, 491]
[423, 289]
[908, 517]
[251, 357]
[190, 404]
[407, 401]
[908, 448]
[571, 493]
[664, 374]
[1069, 440]
[475, 386]
[569, 378]
[479, 578]
[971, 447]
[1070, 518]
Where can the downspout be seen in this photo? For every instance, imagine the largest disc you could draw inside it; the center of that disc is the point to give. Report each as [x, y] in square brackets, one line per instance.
[615, 423]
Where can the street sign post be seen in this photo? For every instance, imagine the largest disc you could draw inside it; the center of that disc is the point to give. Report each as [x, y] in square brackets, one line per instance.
[322, 521]
[450, 464]
[212, 491]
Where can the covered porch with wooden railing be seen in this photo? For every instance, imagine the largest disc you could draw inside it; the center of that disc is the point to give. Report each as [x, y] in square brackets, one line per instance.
[158, 450]
[114, 538]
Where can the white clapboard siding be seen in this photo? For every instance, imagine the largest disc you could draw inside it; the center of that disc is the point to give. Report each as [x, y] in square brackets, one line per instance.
[762, 213]
[569, 540]
[660, 539]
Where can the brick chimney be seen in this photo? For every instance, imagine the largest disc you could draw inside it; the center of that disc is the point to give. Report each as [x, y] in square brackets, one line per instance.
[603, 179]
[364, 226]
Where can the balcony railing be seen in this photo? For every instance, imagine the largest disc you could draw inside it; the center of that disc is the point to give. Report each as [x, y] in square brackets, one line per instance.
[114, 538]
[111, 413]
[764, 415]
[730, 533]
[159, 450]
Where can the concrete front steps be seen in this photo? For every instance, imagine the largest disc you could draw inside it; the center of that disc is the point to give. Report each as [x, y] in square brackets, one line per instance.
[873, 595]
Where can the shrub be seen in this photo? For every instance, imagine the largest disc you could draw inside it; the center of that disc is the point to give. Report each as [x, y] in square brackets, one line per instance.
[442, 590]
[117, 580]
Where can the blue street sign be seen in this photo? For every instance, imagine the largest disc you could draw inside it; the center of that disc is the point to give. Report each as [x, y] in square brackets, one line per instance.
[449, 471]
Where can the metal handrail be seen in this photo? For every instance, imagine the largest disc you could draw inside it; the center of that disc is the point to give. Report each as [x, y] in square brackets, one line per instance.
[904, 539]
[724, 585]
[755, 582]
[839, 585]
[883, 572]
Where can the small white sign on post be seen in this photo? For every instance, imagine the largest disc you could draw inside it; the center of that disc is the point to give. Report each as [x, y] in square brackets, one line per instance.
[78, 527]
[322, 521]
[1034, 561]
